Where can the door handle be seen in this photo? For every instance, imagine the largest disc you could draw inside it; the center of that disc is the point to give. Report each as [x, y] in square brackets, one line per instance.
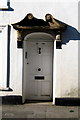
[25, 55]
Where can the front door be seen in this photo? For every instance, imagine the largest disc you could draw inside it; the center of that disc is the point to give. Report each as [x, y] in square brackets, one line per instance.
[38, 70]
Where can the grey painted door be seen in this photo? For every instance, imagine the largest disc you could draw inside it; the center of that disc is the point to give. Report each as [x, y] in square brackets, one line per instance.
[38, 70]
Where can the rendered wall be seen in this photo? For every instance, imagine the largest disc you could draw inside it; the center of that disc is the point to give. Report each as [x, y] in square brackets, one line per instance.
[66, 58]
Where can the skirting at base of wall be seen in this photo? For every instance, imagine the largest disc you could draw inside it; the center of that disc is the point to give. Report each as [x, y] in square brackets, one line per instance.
[58, 101]
[12, 99]
[67, 101]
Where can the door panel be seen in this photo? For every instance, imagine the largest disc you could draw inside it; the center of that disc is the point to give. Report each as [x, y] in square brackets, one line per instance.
[45, 88]
[47, 64]
[32, 91]
[38, 70]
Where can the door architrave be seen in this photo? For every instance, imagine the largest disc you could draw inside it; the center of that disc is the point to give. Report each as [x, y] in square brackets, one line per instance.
[47, 37]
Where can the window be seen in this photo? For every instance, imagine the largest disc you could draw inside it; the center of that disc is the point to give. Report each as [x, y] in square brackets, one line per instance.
[3, 4]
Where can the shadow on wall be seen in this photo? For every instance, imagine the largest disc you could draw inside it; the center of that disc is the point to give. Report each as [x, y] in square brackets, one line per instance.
[70, 34]
[9, 7]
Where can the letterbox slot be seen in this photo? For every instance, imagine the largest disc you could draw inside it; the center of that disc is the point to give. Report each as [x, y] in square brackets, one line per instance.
[39, 77]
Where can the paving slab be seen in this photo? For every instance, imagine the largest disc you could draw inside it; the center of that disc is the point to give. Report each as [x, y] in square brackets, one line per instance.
[44, 110]
[62, 112]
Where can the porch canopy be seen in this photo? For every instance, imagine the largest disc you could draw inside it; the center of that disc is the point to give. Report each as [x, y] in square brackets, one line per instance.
[30, 22]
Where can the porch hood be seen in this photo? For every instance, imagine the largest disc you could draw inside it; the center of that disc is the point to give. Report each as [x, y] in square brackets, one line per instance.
[31, 22]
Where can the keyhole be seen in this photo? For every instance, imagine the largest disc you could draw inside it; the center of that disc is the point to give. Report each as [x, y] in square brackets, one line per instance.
[39, 50]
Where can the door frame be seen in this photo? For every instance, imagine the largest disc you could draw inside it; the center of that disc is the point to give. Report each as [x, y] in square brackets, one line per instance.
[27, 37]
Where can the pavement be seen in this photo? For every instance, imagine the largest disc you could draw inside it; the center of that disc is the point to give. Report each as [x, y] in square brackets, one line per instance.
[39, 110]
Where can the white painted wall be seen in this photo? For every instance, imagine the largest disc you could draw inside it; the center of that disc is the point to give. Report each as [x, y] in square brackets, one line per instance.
[67, 70]
[66, 58]
[16, 65]
[3, 57]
